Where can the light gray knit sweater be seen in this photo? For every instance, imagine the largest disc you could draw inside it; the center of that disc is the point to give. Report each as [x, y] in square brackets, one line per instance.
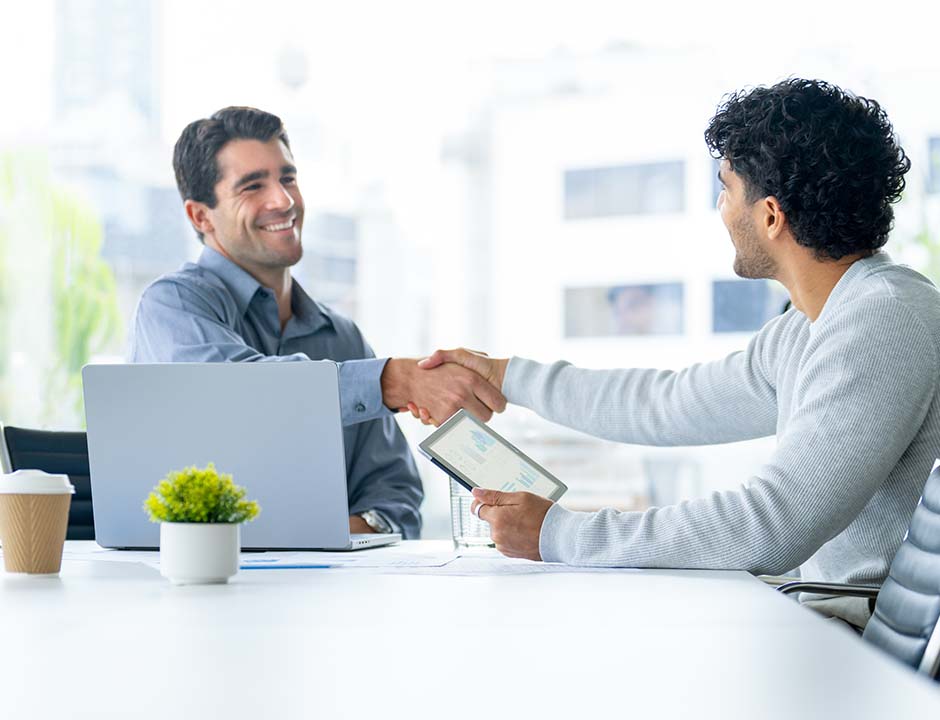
[852, 398]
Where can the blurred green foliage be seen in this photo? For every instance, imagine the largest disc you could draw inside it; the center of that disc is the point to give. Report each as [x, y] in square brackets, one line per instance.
[84, 294]
[59, 226]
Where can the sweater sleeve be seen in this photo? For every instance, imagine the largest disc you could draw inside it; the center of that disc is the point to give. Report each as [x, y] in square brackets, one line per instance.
[863, 388]
[717, 402]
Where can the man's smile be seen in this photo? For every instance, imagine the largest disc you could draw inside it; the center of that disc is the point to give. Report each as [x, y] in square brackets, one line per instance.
[281, 226]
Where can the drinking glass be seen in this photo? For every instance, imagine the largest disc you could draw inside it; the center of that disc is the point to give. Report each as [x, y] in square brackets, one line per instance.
[469, 531]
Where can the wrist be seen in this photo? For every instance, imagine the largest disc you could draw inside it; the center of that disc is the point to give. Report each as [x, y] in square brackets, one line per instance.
[395, 383]
[500, 372]
[376, 522]
[358, 525]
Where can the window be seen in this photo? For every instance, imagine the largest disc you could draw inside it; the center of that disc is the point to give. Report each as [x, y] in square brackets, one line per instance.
[745, 305]
[654, 309]
[933, 165]
[716, 183]
[625, 190]
[329, 269]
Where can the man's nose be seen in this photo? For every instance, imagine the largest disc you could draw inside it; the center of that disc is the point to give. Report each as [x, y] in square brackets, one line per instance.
[280, 199]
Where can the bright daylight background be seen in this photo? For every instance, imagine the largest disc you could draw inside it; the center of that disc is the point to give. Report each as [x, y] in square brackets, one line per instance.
[522, 177]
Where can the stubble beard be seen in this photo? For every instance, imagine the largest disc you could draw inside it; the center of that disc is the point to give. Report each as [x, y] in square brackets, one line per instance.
[751, 260]
[271, 258]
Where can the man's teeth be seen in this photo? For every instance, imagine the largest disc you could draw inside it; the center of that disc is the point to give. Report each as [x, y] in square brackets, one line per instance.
[280, 226]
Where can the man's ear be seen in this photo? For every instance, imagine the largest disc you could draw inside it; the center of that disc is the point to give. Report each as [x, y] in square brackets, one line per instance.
[774, 220]
[199, 215]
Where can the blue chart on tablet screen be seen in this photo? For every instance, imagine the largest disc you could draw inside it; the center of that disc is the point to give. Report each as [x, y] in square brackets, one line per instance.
[488, 463]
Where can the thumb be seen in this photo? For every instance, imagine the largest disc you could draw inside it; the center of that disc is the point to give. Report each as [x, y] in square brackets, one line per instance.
[491, 497]
[438, 357]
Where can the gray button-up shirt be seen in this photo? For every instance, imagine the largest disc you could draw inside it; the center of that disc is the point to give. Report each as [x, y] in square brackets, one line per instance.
[214, 311]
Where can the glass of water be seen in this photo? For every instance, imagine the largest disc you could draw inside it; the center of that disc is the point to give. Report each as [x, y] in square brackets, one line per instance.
[469, 530]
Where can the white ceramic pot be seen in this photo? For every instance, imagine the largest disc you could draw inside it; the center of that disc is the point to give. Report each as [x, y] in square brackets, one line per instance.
[199, 553]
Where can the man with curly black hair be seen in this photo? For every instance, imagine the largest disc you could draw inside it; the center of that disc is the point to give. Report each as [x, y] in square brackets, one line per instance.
[847, 378]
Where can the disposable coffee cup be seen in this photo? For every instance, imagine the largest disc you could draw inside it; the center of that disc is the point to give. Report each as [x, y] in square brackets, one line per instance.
[34, 517]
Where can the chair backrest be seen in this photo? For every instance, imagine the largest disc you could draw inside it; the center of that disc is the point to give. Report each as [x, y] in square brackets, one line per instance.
[904, 622]
[56, 452]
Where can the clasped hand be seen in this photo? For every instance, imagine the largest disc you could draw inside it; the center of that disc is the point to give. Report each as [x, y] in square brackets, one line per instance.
[460, 378]
[515, 520]
[461, 361]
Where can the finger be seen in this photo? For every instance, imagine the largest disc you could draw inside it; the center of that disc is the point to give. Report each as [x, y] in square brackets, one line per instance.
[425, 416]
[489, 396]
[473, 406]
[413, 409]
[438, 357]
[479, 363]
[492, 497]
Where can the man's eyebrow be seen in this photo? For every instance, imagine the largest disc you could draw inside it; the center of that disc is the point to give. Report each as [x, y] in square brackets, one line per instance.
[250, 178]
[288, 170]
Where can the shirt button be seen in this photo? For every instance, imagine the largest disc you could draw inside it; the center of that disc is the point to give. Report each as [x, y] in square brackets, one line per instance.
[360, 407]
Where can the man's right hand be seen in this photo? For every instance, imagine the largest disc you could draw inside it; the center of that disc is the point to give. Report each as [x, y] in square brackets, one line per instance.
[493, 369]
[441, 390]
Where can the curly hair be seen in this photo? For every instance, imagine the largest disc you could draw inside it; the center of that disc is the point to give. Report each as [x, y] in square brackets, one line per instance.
[830, 158]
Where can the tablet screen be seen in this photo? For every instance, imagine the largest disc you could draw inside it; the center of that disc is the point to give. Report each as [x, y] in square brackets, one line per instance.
[484, 458]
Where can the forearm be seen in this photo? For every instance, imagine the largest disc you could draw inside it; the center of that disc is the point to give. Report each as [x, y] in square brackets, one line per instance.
[710, 403]
[172, 334]
[729, 530]
[360, 390]
[383, 475]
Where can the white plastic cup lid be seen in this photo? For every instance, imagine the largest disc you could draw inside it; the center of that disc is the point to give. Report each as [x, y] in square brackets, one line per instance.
[35, 482]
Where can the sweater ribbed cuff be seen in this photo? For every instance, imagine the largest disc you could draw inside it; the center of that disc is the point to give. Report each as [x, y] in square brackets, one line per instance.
[557, 540]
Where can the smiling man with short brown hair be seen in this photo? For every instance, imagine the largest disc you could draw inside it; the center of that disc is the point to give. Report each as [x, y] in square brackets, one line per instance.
[239, 303]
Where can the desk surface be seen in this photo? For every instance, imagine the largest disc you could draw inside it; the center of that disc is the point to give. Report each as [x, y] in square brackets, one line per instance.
[115, 639]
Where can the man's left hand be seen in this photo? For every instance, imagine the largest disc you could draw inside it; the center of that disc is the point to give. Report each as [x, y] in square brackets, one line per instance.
[358, 525]
[515, 520]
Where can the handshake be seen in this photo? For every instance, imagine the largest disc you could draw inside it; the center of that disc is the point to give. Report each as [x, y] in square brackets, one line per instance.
[435, 388]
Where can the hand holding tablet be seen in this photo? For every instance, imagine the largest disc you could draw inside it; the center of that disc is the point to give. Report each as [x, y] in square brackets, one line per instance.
[475, 456]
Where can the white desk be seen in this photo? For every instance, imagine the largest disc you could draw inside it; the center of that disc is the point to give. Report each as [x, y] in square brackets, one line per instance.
[117, 640]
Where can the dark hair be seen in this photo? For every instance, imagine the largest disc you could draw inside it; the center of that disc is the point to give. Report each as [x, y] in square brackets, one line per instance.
[194, 155]
[830, 158]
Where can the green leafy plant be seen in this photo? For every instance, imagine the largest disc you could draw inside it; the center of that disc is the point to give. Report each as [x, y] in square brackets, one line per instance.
[192, 495]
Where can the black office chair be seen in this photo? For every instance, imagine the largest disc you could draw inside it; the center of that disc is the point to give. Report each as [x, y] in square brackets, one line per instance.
[907, 607]
[55, 452]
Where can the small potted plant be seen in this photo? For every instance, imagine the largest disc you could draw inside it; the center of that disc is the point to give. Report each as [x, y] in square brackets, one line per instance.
[200, 512]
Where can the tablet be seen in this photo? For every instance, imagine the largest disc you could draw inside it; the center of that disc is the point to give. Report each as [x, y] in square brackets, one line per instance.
[475, 456]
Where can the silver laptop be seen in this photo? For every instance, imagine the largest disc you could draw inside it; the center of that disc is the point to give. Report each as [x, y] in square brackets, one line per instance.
[275, 427]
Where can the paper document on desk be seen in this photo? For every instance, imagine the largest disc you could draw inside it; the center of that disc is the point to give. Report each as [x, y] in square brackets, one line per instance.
[478, 564]
[386, 557]
[376, 558]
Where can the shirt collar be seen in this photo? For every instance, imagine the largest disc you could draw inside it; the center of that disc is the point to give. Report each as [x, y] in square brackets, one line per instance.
[308, 314]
